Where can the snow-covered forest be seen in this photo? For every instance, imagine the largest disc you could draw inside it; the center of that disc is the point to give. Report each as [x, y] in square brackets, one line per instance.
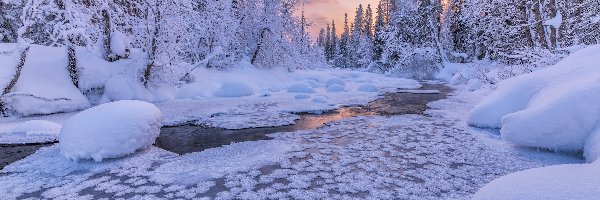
[415, 38]
[241, 99]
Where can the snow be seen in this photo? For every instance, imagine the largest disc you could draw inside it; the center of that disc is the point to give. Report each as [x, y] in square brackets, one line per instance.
[120, 87]
[9, 58]
[119, 43]
[571, 181]
[554, 108]
[38, 127]
[556, 21]
[335, 81]
[110, 130]
[474, 84]
[368, 88]
[335, 88]
[302, 96]
[44, 86]
[300, 88]
[234, 89]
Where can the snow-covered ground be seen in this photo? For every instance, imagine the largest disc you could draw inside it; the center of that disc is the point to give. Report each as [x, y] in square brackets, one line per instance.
[410, 156]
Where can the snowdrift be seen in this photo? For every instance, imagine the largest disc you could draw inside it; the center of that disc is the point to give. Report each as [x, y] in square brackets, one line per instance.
[573, 181]
[555, 108]
[44, 86]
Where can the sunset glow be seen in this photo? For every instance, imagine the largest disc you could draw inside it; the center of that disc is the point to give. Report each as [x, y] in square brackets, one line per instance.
[321, 12]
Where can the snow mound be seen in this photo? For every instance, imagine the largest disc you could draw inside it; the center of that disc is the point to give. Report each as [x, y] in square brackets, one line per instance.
[44, 86]
[302, 96]
[368, 88]
[320, 100]
[555, 108]
[120, 87]
[110, 130]
[572, 181]
[335, 88]
[38, 127]
[335, 81]
[300, 88]
[234, 89]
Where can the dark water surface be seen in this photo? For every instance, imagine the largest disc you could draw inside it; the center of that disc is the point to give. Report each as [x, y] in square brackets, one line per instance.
[190, 138]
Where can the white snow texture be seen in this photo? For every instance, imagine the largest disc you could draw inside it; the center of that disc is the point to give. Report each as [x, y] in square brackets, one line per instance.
[555, 108]
[110, 130]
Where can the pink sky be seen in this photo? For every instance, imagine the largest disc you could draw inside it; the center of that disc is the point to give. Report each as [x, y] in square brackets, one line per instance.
[321, 12]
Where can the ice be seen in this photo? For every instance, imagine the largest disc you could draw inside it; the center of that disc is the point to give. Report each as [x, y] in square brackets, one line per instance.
[234, 89]
[572, 181]
[554, 108]
[300, 88]
[44, 86]
[110, 130]
[368, 88]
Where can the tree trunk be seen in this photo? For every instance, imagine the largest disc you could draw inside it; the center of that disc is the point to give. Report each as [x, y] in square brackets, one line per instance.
[72, 66]
[14, 80]
[255, 54]
[106, 36]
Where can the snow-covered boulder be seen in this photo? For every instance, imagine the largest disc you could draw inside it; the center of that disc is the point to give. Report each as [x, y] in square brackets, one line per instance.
[234, 89]
[368, 88]
[110, 130]
[335, 88]
[300, 88]
[38, 127]
[555, 108]
[335, 81]
[573, 181]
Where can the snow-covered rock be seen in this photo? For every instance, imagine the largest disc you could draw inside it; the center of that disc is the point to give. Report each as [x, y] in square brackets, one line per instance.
[300, 88]
[234, 89]
[302, 96]
[38, 127]
[368, 88]
[110, 130]
[335, 88]
[571, 181]
[335, 81]
[555, 108]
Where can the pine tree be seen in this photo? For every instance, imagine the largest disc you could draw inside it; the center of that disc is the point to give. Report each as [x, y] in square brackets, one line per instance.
[321, 38]
[333, 46]
[344, 43]
[368, 22]
[378, 39]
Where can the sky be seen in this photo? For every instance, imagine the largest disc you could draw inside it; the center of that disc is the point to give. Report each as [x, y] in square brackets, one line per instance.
[321, 12]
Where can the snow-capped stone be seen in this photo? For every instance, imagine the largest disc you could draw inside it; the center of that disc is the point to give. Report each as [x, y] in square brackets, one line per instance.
[234, 89]
[300, 88]
[110, 130]
[368, 88]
